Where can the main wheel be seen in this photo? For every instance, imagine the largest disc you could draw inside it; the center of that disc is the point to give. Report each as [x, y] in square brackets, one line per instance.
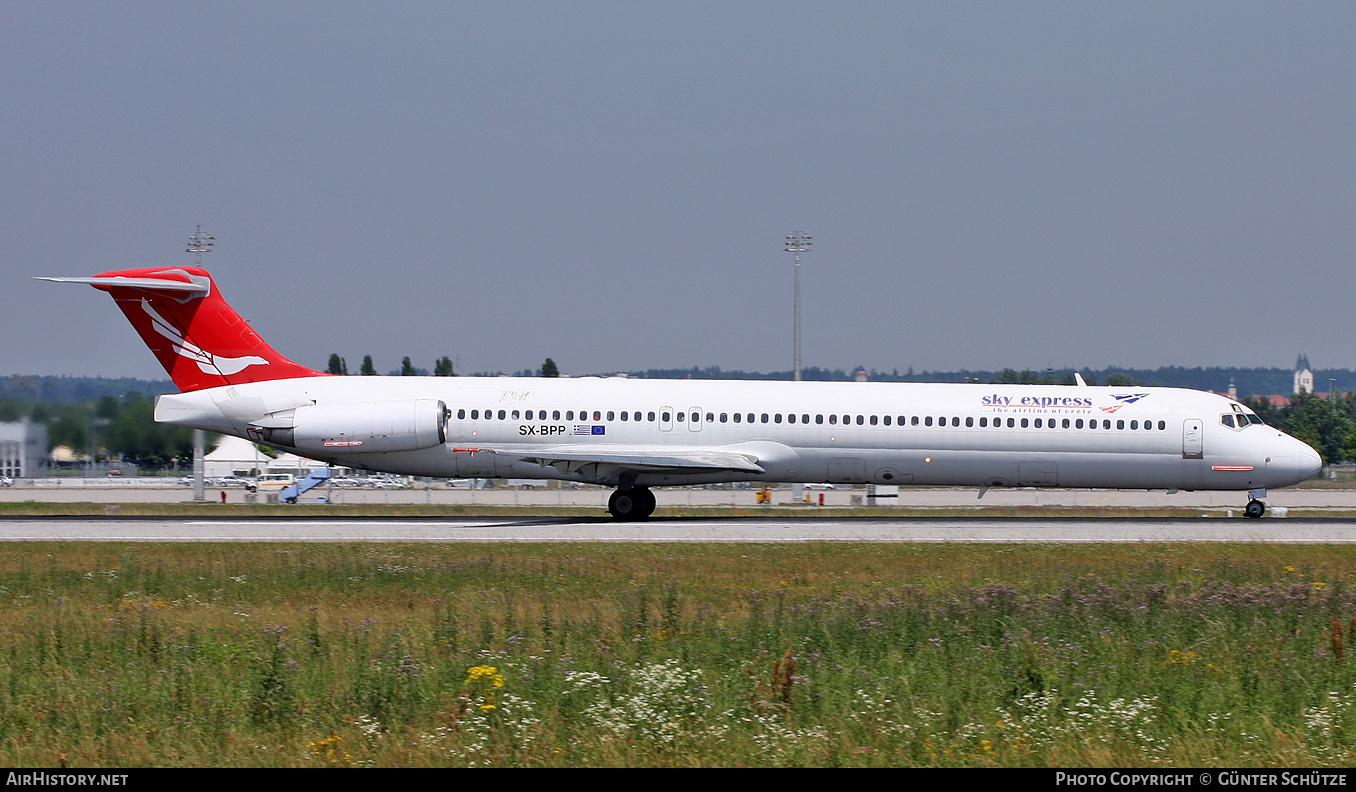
[634, 503]
[1255, 509]
[626, 504]
[647, 504]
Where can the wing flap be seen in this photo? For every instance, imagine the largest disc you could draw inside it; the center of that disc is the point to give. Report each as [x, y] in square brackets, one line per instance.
[632, 458]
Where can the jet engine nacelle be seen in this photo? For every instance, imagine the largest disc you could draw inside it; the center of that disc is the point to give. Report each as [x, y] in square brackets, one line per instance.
[364, 427]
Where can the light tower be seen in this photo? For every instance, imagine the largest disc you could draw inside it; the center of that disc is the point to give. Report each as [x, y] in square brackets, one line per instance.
[797, 242]
[198, 244]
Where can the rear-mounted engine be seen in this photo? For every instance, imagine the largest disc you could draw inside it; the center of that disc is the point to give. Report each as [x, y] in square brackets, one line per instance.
[365, 427]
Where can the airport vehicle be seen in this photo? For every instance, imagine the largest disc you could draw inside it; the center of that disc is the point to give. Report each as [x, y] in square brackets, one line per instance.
[274, 482]
[634, 434]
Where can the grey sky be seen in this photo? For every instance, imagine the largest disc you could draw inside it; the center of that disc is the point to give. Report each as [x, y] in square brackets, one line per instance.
[609, 184]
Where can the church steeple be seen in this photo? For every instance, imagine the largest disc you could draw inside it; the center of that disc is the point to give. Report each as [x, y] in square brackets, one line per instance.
[1304, 375]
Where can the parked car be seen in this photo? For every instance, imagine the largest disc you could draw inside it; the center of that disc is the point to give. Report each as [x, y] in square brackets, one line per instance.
[235, 481]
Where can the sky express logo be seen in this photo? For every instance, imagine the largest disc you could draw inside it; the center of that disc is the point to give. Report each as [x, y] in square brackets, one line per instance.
[1000, 403]
[1041, 402]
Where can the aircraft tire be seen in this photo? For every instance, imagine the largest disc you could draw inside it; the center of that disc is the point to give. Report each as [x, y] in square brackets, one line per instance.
[1255, 509]
[630, 504]
[647, 507]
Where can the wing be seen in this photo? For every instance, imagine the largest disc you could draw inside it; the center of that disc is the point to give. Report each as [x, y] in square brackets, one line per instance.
[570, 459]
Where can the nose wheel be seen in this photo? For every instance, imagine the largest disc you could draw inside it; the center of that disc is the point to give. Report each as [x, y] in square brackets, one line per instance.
[1255, 509]
[632, 503]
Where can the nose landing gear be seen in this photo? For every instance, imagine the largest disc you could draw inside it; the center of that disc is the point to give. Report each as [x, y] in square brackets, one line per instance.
[1256, 508]
[631, 503]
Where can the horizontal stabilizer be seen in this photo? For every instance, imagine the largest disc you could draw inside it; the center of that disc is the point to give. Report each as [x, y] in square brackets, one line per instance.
[148, 284]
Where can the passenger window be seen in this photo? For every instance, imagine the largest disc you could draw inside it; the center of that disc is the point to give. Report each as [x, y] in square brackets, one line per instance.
[724, 417]
[569, 415]
[666, 417]
[650, 416]
[777, 418]
[887, 420]
[738, 417]
[804, 417]
[860, 420]
[790, 417]
[1106, 423]
[901, 420]
[625, 415]
[1120, 424]
[1078, 424]
[555, 415]
[833, 420]
[1065, 423]
[475, 415]
[710, 417]
[955, 420]
[611, 415]
[1134, 424]
[927, 421]
[1023, 423]
[764, 417]
[819, 419]
[515, 415]
[914, 421]
[682, 416]
[1162, 425]
[597, 416]
[461, 414]
[983, 422]
[1011, 423]
[969, 420]
[501, 415]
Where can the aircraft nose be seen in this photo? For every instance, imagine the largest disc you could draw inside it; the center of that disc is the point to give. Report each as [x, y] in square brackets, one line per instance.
[1310, 463]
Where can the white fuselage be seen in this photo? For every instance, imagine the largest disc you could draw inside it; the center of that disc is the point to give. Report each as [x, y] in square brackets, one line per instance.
[885, 433]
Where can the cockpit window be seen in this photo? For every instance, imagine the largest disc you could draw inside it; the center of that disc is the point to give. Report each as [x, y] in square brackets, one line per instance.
[1227, 420]
[1253, 418]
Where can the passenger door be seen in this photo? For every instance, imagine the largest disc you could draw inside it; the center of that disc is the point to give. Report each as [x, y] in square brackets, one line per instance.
[1193, 446]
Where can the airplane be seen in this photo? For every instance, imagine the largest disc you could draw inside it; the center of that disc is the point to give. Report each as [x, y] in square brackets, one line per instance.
[636, 434]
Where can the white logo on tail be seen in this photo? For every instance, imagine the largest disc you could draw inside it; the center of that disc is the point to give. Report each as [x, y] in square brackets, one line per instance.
[207, 362]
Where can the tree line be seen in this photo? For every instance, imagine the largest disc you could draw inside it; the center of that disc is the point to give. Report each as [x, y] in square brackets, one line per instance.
[441, 368]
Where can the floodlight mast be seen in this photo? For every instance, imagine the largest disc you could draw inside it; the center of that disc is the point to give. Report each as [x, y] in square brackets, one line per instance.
[198, 244]
[797, 242]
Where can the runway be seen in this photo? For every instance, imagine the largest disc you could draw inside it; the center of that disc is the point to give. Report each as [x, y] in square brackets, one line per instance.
[693, 530]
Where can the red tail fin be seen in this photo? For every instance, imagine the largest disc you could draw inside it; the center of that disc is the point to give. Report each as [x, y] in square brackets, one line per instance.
[199, 339]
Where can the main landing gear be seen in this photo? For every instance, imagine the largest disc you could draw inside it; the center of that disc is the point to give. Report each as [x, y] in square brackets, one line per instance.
[631, 503]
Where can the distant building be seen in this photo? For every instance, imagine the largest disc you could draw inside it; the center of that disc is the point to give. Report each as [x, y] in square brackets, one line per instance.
[23, 448]
[1304, 375]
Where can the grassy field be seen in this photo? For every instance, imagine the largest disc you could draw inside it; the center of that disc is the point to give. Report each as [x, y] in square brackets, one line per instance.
[676, 655]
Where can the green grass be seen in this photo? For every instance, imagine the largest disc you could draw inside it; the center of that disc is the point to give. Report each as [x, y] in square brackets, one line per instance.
[676, 655]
